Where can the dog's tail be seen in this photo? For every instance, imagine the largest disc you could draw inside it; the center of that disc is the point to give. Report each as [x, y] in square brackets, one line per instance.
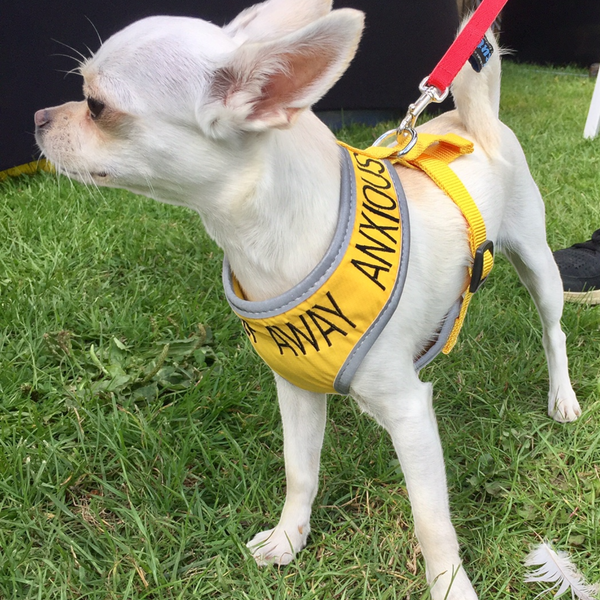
[477, 99]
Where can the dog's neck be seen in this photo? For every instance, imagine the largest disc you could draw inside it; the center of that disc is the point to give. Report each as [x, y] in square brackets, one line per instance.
[276, 234]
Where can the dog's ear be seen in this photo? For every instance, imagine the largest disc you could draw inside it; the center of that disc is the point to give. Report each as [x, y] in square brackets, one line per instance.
[266, 85]
[275, 18]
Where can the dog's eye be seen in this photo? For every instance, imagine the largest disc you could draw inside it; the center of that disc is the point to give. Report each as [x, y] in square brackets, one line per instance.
[95, 107]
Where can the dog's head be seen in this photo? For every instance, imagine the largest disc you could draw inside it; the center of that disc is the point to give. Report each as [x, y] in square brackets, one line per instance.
[170, 96]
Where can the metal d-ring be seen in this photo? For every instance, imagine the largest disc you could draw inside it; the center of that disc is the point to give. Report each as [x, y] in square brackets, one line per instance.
[390, 139]
[382, 140]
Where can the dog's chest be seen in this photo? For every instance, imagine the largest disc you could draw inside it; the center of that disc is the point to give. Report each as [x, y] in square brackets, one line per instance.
[317, 333]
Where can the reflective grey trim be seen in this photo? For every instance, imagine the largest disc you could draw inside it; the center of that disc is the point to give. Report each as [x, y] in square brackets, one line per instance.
[317, 277]
[330, 262]
[442, 338]
[346, 373]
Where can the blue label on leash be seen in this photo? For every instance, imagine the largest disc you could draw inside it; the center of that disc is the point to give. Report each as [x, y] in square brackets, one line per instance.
[481, 55]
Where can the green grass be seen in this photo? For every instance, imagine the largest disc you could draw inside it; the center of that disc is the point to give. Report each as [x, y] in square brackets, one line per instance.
[140, 445]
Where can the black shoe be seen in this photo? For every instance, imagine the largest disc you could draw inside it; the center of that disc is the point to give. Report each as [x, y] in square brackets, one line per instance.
[579, 268]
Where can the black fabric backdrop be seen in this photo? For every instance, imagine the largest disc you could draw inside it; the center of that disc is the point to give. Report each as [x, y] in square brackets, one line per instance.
[557, 32]
[403, 41]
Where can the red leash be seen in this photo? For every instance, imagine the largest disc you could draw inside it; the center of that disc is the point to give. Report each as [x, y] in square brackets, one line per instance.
[464, 45]
[470, 44]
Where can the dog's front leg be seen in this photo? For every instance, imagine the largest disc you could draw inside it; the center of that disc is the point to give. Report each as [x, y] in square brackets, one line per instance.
[303, 415]
[411, 422]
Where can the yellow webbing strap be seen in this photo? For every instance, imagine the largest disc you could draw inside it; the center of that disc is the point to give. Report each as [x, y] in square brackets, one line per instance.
[432, 154]
[27, 169]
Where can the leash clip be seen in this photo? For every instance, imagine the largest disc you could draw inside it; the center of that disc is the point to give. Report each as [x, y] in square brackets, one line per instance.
[478, 264]
[429, 94]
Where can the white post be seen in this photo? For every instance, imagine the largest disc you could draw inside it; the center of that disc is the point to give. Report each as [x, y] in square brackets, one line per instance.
[592, 125]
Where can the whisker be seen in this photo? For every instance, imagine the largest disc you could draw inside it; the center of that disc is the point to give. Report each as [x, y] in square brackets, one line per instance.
[150, 186]
[77, 60]
[94, 184]
[96, 30]
[75, 71]
[57, 176]
[83, 57]
[39, 159]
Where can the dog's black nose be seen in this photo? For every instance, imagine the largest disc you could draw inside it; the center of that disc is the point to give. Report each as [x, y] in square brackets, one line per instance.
[42, 118]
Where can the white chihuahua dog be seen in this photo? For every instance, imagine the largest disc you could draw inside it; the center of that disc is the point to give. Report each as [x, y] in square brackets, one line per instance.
[218, 120]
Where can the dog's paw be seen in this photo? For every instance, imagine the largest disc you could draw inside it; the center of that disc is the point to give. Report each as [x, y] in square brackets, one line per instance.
[278, 546]
[563, 408]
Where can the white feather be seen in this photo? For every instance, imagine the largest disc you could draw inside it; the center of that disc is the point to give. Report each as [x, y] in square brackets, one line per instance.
[557, 568]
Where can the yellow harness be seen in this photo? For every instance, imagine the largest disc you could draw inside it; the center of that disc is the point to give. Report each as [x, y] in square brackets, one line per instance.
[432, 154]
[317, 334]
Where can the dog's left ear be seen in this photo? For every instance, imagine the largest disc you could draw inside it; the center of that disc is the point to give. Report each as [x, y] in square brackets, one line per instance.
[266, 85]
[275, 18]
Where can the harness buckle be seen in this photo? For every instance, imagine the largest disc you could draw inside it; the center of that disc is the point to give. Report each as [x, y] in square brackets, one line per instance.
[478, 263]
